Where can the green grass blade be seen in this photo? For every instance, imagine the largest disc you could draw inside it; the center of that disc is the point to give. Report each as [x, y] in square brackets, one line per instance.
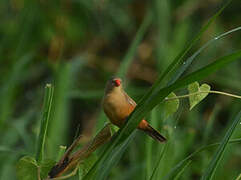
[162, 19]
[150, 103]
[115, 155]
[159, 161]
[209, 69]
[209, 172]
[179, 58]
[182, 170]
[65, 78]
[176, 169]
[239, 177]
[49, 90]
[188, 62]
[151, 147]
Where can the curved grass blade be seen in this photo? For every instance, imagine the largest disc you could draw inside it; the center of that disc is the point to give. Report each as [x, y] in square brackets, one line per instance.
[188, 62]
[115, 155]
[176, 169]
[159, 160]
[219, 153]
[182, 170]
[150, 144]
[179, 58]
[141, 110]
[48, 97]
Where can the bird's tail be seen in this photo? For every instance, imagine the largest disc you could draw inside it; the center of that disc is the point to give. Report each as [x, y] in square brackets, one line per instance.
[154, 134]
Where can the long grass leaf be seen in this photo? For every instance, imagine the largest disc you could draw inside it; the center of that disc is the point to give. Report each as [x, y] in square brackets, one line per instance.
[176, 169]
[159, 161]
[44, 122]
[182, 170]
[59, 125]
[179, 58]
[187, 63]
[209, 172]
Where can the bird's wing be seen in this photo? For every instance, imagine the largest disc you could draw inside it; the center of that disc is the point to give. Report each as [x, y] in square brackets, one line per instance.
[131, 101]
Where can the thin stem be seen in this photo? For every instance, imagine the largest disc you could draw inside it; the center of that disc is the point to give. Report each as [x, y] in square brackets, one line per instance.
[39, 177]
[66, 176]
[213, 92]
[239, 177]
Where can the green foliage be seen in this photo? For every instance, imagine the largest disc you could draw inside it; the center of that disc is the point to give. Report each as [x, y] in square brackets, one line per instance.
[44, 122]
[181, 165]
[178, 176]
[62, 150]
[171, 106]
[196, 98]
[209, 172]
[28, 168]
[65, 75]
[8, 90]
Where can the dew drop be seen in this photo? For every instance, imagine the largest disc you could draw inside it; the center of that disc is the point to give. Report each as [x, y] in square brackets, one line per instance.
[216, 38]
[175, 127]
[184, 62]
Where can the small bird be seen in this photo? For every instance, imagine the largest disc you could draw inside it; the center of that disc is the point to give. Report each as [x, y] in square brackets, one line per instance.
[118, 106]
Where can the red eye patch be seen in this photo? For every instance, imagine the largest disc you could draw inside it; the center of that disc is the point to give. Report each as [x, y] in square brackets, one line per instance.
[117, 82]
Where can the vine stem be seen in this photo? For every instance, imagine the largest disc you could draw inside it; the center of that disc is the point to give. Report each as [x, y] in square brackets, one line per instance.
[213, 92]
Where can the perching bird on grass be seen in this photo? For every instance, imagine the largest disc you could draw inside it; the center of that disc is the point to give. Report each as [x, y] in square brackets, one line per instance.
[118, 106]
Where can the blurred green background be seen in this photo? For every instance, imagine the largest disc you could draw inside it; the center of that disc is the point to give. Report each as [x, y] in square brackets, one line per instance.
[77, 45]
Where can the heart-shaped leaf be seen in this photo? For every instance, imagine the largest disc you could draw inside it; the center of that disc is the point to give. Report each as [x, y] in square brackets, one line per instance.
[200, 92]
[171, 106]
[27, 168]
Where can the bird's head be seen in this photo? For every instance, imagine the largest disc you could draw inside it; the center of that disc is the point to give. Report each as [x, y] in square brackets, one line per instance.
[114, 83]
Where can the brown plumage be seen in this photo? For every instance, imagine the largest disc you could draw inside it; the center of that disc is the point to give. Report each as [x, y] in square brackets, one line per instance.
[118, 106]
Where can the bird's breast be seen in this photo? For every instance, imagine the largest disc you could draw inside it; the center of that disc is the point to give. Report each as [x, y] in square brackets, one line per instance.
[117, 108]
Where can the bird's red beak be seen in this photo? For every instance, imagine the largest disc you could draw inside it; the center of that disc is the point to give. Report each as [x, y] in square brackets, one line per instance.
[117, 82]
